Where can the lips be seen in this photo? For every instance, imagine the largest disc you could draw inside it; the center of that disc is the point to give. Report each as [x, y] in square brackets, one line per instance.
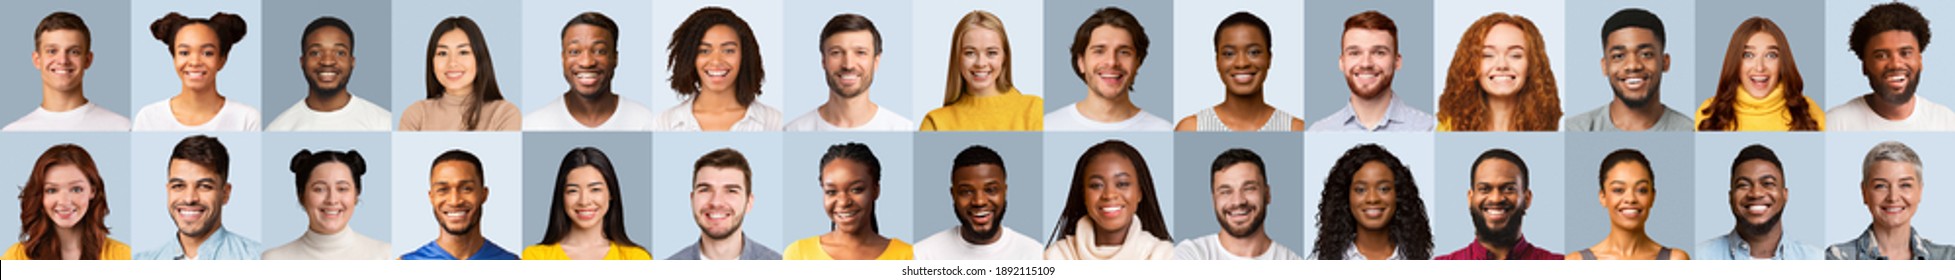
[454, 75]
[981, 217]
[1112, 211]
[1893, 210]
[65, 211]
[1898, 79]
[326, 75]
[195, 75]
[586, 214]
[455, 216]
[1759, 81]
[1630, 212]
[981, 75]
[1494, 213]
[192, 213]
[1758, 208]
[1633, 83]
[61, 71]
[331, 213]
[587, 78]
[848, 78]
[1112, 78]
[1238, 213]
[1374, 212]
[1243, 78]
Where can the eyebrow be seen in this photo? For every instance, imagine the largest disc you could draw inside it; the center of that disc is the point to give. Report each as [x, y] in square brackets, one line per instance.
[443, 46]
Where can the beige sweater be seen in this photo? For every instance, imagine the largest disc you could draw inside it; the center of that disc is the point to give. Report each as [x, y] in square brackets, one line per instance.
[445, 114]
[1080, 246]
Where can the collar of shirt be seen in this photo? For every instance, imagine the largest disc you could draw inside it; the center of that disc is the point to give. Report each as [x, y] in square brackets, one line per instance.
[1351, 253]
[1521, 250]
[207, 251]
[1394, 114]
[1870, 248]
[686, 120]
[1737, 249]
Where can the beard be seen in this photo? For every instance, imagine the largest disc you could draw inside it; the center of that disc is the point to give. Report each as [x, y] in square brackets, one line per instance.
[1255, 224]
[323, 91]
[472, 224]
[723, 234]
[997, 225]
[1505, 237]
[1384, 83]
[1636, 102]
[832, 85]
[1881, 91]
[1751, 229]
[209, 225]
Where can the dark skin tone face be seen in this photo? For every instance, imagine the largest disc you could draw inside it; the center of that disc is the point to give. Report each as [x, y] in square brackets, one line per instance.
[978, 194]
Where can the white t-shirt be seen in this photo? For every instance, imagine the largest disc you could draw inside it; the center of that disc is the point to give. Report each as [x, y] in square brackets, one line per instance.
[949, 245]
[1209, 247]
[1856, 115]
[630, 116]
[233, 116]
[88, 117]
[358, 115]
[1069, 119]
[884, 120]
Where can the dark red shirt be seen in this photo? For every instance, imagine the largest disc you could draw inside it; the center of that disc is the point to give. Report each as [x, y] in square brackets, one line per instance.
[1522, 251]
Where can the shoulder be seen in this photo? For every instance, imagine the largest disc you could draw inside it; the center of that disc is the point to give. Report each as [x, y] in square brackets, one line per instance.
[940, 239]
[15, 252]
[1187, 124]
[810, 121]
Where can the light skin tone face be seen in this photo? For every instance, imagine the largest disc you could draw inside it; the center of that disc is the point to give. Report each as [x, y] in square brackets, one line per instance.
[983, 57]
[1892, 64]
[848, 195]
[329, 198]
[1240, 198]
[978, 195]
[1761, 64]
[196, 198]
[1758, 192]
[454, 62]
[588, 59]
[720, 201]
[65, 195]
[62, 57]
[1503, 60]
[1109, 62]
[1892, 192]
[1498, 193]
[1628, 193]
[328, 59]
[196, 57]
[457, 194]
[718, 62]
[1368, 60]
[1112, 194]
[850, 60]
[1374, 195]
[1242, 58]
[1634, 61]
[586, 198]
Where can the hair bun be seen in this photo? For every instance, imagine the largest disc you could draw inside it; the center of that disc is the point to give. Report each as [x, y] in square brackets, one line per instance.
[165, 28]
[230, 27]
[299, 160]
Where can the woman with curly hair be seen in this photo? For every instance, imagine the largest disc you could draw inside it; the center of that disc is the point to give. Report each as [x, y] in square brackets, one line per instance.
[1759, 88]
[1111, 212]
[1371, 210]
[1500, 79]
[61, 210]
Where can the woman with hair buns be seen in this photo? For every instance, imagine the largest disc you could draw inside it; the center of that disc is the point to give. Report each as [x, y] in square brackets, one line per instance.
[328, 187]
[198, 47]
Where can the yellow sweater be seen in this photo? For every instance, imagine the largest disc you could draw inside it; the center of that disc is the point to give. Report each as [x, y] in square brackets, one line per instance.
[555, 252]
[1009, 111]
[810, 249]
[114, 250]
[1765, 114]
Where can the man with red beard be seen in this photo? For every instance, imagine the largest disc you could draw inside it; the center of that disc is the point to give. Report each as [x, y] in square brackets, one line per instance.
[199, 187]
[1498, 200]
[1758, 195]
[1889, 41]
[1369, 57]
[1241, 193]
[978, 191]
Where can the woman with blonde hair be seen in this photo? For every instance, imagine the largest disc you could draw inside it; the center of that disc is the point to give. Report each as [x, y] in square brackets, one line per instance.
[1759, 88]
[1500, 79]
[978, 93]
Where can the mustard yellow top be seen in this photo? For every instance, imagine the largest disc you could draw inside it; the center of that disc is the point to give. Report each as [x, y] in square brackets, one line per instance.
[1008, 111]
[1765, 114]
[555, 252]
[810, 249]
[114, 250]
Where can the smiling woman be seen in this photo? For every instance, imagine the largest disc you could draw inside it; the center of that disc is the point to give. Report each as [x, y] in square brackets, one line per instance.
[587, 220]
[1111, 212]
[62, 205]
[461, 81]
[329, 188]
[198, 47]
[1500, 79]
[715, 63]
[1371, 210]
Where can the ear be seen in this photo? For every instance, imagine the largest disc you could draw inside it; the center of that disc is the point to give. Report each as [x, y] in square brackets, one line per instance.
[1527, 198]
[485, 195]
[749, 204]
[1665, 62]
[1398, 61]
[224, 197]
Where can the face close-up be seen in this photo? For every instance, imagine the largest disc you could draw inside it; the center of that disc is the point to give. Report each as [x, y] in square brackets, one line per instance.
[1628, 192]
[1761, 63]
[457, 194]
[1369, 59]
[330, 197]
[1758, 193]
[1374, 195]
[454, 61]
[1892, 63]
[1498, 198]
[1242, 58]
[63, 57]
[720, 201]
[983, 57]
[1112, 192]
[848, 195]
[849, 59]
[1892, 192]
[196, 197]
[1241, 198]
[196, 56]
[1503, 60]
[978, 195]
[718, 62]
[1109, 62]
[1634, 62]
[586, 198]
[589, 56]
[65, 195]
[328, 59]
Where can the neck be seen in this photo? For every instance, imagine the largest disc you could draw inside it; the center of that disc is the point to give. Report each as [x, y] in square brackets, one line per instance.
[1892, 111]
[590, 110]
[850, 238]
[983, 92]
[1110, 237]
[716, 100]
[1630, 242]
[331, 102]
[1371, 111]
[1499, 253]
[461, 246]
[458, 94]
[584, 237]
[61, 101]
[1500, 111]
[1626, 118]
[1375, 244]
[966, 233]
[70, 238]
[847, 112]
[1103, 109]
[1763, 246]
[723, 249]
[1894, 241]
[1247, 246]
[192, 243]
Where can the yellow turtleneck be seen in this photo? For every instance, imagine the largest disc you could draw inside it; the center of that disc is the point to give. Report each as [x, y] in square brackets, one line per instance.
[1010, 111]
[1765, 114]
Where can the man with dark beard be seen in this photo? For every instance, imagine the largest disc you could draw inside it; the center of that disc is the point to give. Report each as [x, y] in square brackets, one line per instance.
[326, 57]
[1889, 41]
[722, 193]
[851, 48]
[1498, 200]
[199, 186]
[977, 193]
[1758, 196]
[1241, 192]
[1633, 59]
[590, 61]
[456, 190]
[1369, 57]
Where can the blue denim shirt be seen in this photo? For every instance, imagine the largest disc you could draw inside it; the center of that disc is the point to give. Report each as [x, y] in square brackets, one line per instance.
[1864, 248]
[1730, 246]
[221, 245]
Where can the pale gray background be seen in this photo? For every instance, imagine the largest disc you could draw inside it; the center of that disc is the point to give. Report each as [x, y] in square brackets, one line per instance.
[1199, 85]
[414, 152]
[542, 35]
[1062, 153]
[1024, 22]
[1798, 18]
[936, 152]
[1154, 82]
[764, 16]
[1804, 182]
[1281, 152]
[414, 21]
[152, 72]
[891, 88]
[1587, 88]
[1670, 156]
[1847, 217]
[1845, 79]
[1412, 84]
[1545, 225]
[1452, 17]
[1322, 150]
[110, 150]
[803, 210]
[372, 42]
[629, 152]
[106, 83]
[149, 165]
[672, 174]
[286, 219]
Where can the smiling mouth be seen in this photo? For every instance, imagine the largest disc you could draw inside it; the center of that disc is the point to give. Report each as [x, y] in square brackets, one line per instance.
[1633, 83]
[1112, 79]
[1111, 211]
[717, 73]
[455, 214]
[1374, 212]
[190, 213]
[1893, 210]
[586, 214]
[65, 212]
[195, 74]
[587, 78]
[1504, 78]
[1758, 209]
[61, 71]
[1898, 79]
[1493, 213]
[455, 75]
[1243, 78]
[1630, 213]
[1760, 81]
[981, 217]
[981, 75]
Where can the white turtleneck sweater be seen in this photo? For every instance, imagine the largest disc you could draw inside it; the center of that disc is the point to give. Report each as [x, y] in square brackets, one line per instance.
[345, 245]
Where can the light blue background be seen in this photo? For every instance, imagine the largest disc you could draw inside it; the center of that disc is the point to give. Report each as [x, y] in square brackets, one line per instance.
[1796, 17]
[1847, 217]
[106, 84]
[1451, 18]
[672, 177]
[1024, 22]
[414, 22]
[937, 152]
[1321, 152]
[1193, 182]
[286, 219]
[763, 16]
[1412, 84]
[1845, 81]
[542, 28]
[1063, 150]
[149, 165]
[372, 39]
[152, 72]
[1545, 224]
[109, 149]
[806, 216]
[1153, 88]
[891, 88]
[413, 216]
[1670, 156]
[1198, 85]
[1587, 87]
[629, 152]
[1804, 182]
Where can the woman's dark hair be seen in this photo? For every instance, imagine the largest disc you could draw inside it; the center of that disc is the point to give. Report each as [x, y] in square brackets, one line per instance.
[1151, 219]
[1621, 156]
[1244, 18]
[37, 237]
[859, 153]
[485, 69]
[1336, 228]
[306, 160]
[230, 29]
[614, 219]
[683, 50]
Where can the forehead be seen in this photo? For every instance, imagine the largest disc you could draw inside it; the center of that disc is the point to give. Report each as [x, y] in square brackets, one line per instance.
[1889, 167]
[844, 167]
[1757, 167]
[585, 30]
[1627, 170]
[1367, 36]
[1107, 34]
[331, 168]
[453, 37]
[327, 32]
[194, 32]
[1241, 31]
[720, 33]
[61, 35]
[1505, 34]
[850, 37]
[719, 174]
[1632, 35]
[1495, 168]
[454, 168]
[980, 35]
[184, 168]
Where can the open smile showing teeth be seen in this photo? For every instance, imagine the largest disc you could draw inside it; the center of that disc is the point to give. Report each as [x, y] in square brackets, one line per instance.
[454, 214]
[717, 73]
[61, 71]
[587, 78]
[981, 75]
[1757, 209]
[1633, 82]
[454, 75]
[1374, 212]
[190, 213]
[1111, 211]
[1892, 209]
[195, 74]
[1243, 77]
[1502, 78]
[717, 216]
[586, 214]
[65, 212]
[1632, 213]
[1897, 79]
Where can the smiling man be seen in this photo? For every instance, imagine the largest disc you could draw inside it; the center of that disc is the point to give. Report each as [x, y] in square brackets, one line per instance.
[590, 61]
[1758, 197]
[326, 57]
[1889, 41]
[198, 188]
[1891, 187]
[722, 194]
[978, 194]
[62, 55]
[1369, 57]
[457, 191]
[851, 48]
[1498, 198]
[1241, 193]
[1633, 60]
[1107, 52]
